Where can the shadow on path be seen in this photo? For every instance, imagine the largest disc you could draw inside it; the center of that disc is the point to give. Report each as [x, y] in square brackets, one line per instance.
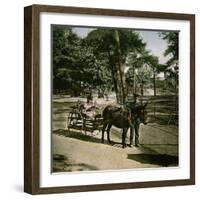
[77, 135]
[62, 164]
[156, 159]
[92, 137]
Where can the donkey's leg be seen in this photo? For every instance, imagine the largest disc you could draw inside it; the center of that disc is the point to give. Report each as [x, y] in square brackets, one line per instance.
[103, 130]
[108, 133]
[124, 133]
[131, 135]
[137, 126]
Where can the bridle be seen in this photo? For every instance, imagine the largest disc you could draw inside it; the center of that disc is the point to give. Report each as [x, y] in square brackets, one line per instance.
[140, 114]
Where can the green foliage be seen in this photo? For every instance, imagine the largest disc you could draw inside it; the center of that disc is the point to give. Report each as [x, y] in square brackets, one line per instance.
[172, 49]
[172, 40]
[172, 65]
[98, 60]
[75, 66]
[114, 46]
[104, 43]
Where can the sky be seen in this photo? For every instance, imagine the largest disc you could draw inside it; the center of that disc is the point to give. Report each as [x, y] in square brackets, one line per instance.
[154, 43]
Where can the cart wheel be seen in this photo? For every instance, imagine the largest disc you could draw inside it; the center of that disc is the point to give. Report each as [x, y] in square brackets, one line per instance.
[68, 123]
[83, 126]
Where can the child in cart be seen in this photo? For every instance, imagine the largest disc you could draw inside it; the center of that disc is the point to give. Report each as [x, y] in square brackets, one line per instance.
[89, 108]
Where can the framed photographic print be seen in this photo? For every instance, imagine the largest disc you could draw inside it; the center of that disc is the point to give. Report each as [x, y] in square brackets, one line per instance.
[109, 99]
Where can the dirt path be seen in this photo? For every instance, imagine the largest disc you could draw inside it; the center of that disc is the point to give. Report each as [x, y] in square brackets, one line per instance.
[75, 151]
[78, 155]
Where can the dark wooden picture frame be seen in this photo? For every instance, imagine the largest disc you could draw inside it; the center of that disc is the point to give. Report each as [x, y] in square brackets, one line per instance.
[32, 92]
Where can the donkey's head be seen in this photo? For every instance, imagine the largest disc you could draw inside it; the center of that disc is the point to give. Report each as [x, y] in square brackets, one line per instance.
[143, 114]
[140, 113]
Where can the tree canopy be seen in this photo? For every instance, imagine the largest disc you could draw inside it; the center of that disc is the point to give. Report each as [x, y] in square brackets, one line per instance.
[108, 59]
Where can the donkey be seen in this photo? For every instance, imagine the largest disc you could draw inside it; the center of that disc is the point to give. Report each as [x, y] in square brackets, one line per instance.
[123, 118]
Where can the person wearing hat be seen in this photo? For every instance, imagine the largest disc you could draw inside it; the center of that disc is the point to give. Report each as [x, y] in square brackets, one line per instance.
[135, 123]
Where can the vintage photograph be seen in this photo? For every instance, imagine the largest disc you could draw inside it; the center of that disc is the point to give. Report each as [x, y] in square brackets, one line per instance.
[115, 98]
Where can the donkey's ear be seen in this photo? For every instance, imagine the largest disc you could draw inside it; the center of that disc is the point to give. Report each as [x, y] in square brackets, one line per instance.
[145, 105]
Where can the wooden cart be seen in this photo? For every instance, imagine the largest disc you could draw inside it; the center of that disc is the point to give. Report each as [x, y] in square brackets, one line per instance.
[79, 121]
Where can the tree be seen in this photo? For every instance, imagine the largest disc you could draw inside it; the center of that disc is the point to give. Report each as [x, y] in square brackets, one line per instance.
[143, 62]
[144, 74]
[65, 48]
[152, 61]
[115, 45]
[135, 61]
[75, 66]
[172, 67]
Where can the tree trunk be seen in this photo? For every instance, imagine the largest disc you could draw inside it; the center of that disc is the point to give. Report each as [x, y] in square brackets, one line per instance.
[134, 81]
[165, 80]
[176, 83]
[114, 77]
[154, 82]
[120, 71]
[142, 89]
[119, 88]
